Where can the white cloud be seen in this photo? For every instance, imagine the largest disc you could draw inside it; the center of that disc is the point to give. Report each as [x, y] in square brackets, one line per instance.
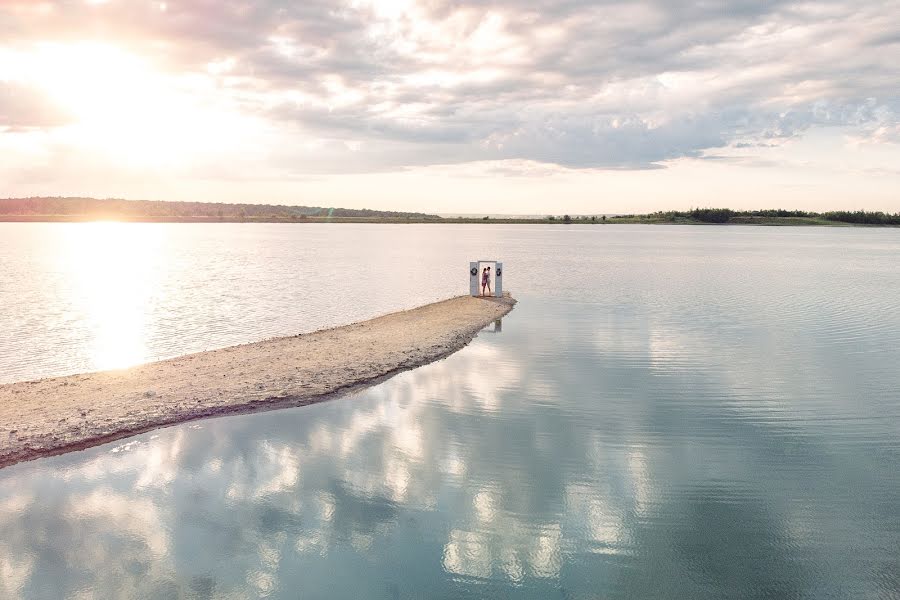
[366, 86]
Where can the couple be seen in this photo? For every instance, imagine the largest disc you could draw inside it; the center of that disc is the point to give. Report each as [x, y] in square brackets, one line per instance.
[486, 280]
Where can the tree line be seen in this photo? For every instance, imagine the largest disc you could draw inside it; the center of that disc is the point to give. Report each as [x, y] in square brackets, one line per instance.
[115, 207]
[723, 215]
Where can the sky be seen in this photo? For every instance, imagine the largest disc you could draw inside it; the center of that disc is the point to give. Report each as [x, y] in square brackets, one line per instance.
[463, 106]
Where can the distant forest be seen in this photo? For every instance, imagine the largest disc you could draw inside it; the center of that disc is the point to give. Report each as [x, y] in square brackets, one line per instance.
[774, 216]
[724, 215]
[107, 208]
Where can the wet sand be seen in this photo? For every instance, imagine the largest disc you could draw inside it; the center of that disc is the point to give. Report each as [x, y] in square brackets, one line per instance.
[61, 414]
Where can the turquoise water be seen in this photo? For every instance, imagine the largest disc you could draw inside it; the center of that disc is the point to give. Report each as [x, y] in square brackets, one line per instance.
[669, 412]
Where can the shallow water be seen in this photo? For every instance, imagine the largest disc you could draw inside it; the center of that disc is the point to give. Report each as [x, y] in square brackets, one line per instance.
[669, 412]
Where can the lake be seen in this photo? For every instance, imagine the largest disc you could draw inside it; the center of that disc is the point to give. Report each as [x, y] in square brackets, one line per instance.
[669, 412]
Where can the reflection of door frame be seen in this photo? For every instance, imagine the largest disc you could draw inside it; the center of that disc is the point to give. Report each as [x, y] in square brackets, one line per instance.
[496, 281]
[498, 327]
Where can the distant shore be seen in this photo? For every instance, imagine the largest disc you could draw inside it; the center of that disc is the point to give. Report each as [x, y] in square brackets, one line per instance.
[62, 209]
[614, 220]
[52, 416]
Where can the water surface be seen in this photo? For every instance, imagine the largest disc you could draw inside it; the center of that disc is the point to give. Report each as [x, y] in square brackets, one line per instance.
[669, 412]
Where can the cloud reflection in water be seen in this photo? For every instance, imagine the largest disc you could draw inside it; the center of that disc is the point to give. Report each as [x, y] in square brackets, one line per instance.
[592, 448]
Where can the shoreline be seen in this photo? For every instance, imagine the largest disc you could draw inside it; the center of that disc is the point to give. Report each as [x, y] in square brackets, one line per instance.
[53, 416]
[737, 221]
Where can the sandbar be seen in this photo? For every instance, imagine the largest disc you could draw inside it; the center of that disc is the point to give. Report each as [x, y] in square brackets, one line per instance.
[61, 414]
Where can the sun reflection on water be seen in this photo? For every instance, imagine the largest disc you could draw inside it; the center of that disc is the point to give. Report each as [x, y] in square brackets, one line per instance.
[114, 269]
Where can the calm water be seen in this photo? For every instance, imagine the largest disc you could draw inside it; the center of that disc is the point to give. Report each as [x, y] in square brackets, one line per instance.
[669, 412]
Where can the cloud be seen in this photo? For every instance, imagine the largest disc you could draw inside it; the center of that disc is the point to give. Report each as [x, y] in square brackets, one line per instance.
[368, 85]
[23, 107]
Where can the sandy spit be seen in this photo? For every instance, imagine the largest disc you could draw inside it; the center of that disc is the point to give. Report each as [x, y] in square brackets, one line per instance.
[52, 416]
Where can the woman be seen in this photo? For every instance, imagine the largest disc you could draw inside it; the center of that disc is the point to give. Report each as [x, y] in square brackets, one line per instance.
[486, 280]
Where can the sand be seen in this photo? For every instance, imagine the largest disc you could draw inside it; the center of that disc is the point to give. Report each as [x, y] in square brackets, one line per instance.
[52, 416]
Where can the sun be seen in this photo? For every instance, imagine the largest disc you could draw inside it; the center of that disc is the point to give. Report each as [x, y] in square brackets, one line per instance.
[119, 102]
[93, 81]
[125, 108]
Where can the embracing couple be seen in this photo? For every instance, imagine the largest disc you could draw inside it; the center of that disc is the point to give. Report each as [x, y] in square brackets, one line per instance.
[486, 280]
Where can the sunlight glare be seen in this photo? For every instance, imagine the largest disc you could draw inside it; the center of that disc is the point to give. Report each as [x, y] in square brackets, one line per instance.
[125, 108]
[113, 267]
